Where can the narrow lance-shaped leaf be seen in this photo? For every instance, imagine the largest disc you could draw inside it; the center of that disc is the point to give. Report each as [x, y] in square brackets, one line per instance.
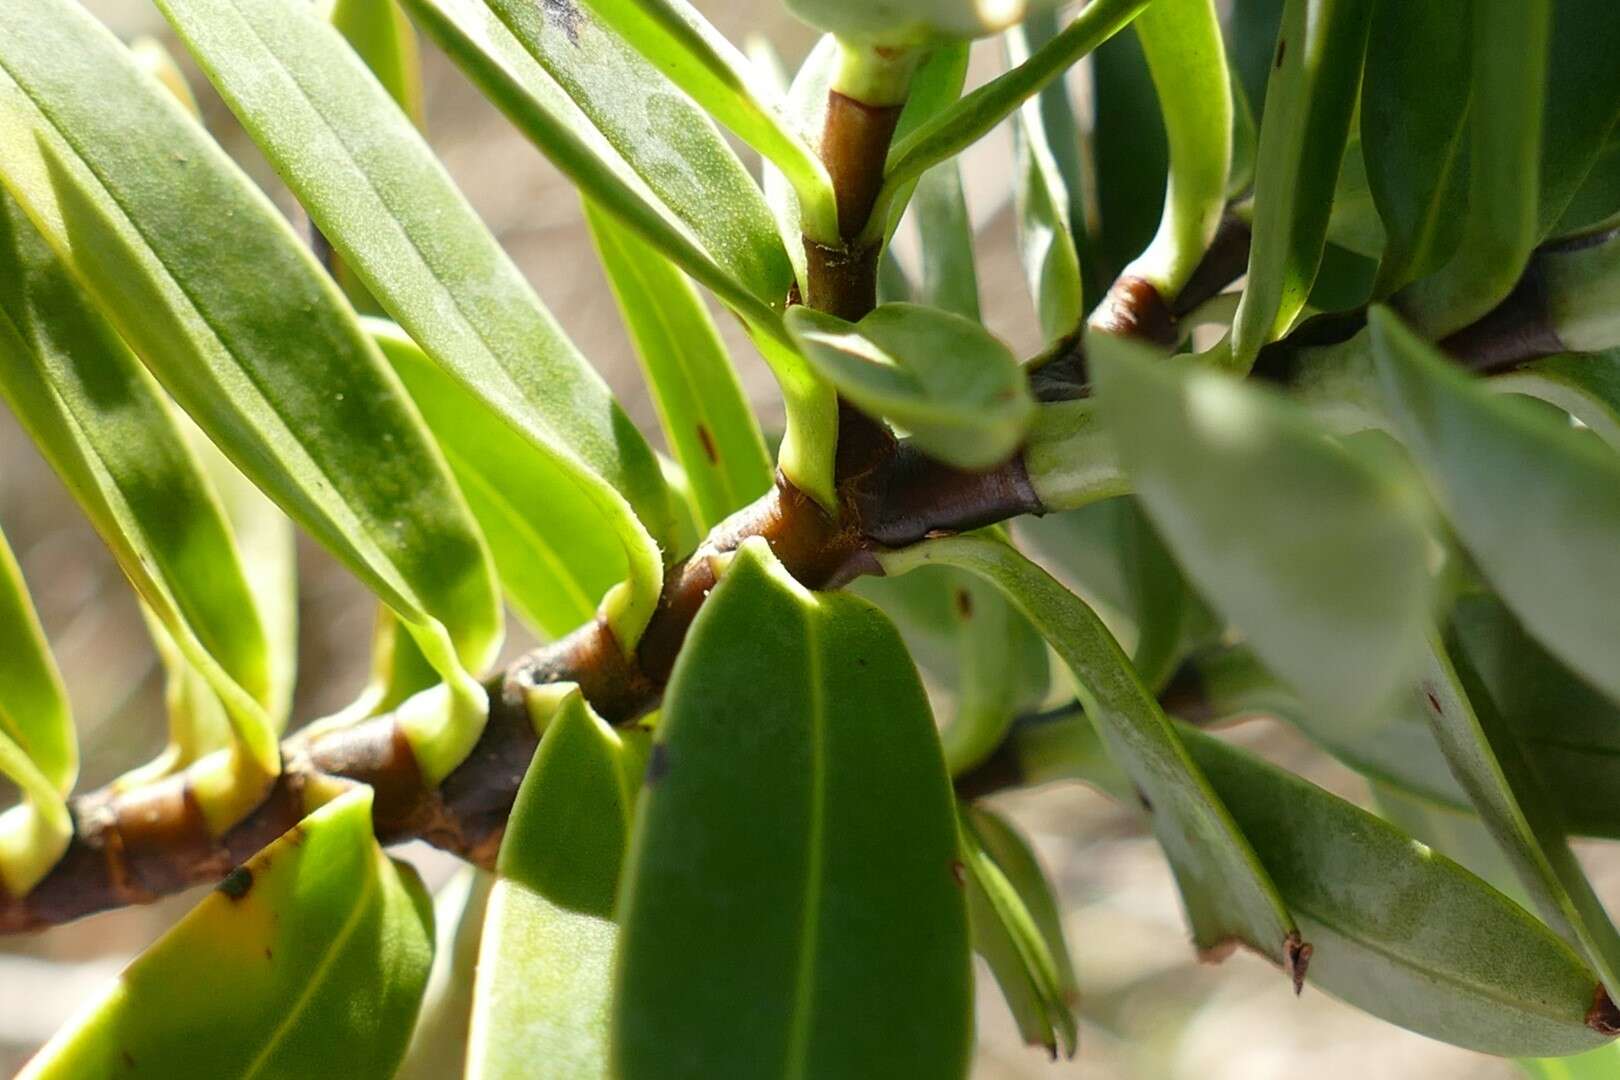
[679, 41]
[935, 85]
[1507, 795]
[1228, 895]
[308, 959]
[796, 778]
[945, 242]
[1129, 156]
[700, 401]
[1042, 197]
[957, 390]
[237, 321]
[383, 200]
[1319, 556]
[1515, 484]
[439, 1042]
[543, 531]
[1399, 930]
[1414, 113]
[1509, 44]
[382, 36]
[952, 130]
[106, 428]
[1182, 42]
[39, 751]
[1309, 104]
[544, 985]
[1581, 110]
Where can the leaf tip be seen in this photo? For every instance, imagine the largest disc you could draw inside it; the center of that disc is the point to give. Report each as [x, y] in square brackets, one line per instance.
[1296, 958]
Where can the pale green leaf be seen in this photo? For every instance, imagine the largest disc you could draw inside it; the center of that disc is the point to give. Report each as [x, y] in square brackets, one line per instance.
[383, 37]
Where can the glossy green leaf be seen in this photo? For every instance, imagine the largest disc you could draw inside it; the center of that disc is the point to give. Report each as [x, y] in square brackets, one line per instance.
[789, 905]
[1354, 225]
[1507, 795]
[1181, 40]
[945, 242]
[1509, 63]
[1414, 112]
[1532, 500]
[971, 647]
[543, 531]
[108, 431]
[598, 113]
[935, 86]
[1318, 555]
[958, 390]
[237, 321]
[1228, 896]
[679, 41]
[438, 1046]
[1399, 930]
[383, 200]
[1582, 104]
[543, 996]
[1252, 27]
[308, 960]
[966, 121]
[1130, 155]
[383, 37]
[1595, 206]
[1311, 99]
[39, 751]
[705, 415]
[1041, 196]
[1007, 935]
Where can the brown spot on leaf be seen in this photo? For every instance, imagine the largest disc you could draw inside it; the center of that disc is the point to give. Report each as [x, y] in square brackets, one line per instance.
[1434, 701]
[237, 883]
[1603, 1017]
[657, 763]
[709, 450]
[964, 604]
[268, 953]
[129, 1058]
[1147, 803]
[1296, 958]
[1282, 48]
[958, 872]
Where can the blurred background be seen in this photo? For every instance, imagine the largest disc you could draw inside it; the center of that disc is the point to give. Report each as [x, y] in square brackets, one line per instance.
[1149, 1009]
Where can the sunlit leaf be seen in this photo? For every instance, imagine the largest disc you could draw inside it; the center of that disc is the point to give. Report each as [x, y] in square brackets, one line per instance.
[790, 904]
[439, 1044]
[308, 960]
[1318, 555]
[1228, 896]
[957, 390]
[382, 36]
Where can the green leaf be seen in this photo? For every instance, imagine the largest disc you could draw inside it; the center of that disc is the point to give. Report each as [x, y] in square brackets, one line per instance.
[1532, 500]
[438, 1046]
[945, 242]
[545, 533]
[1399, 930]
[383, 200]
[1318, 555]
[1006, 934]
[1457, 834]
[706, 418]
[108, 431]
[1600, 1064]
[1506, 794]
[1582, 105]
[1311, 99]
[789, 904]
[952, 130]
[382, 36]
[39, 751]
[905, 22]
[679, 41]
[1130, 154]
[935, 86]
[1414, 112]
[1181, 40]
[971, 645]
[1252, 27]
[1509, 45]
[1595, 206]
[956, 388]
[1585, 385]
[1228, 896]
[1041, 196]
[310, 959]
[544, 982]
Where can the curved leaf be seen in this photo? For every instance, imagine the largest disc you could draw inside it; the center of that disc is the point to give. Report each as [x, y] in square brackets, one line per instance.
[706, 417]
[107, 430]
[945, 242]
[1130, 155]
[1309, 103]
[1596, 203]
[1399, 930]
[1585, 385]
[1227, 894]
[544, 982]
[1533, 501]
[1582, 104]
[789, 902]
[953, 386]
[308, 960]
[381, 197]
[1316, 554]
[545, 534]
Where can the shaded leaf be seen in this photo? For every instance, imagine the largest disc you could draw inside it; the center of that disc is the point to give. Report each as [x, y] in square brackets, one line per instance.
[789, 903]
[945, 242]
[1585, 385]
[308, 960]
[439, 1044]
[1582, 103]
